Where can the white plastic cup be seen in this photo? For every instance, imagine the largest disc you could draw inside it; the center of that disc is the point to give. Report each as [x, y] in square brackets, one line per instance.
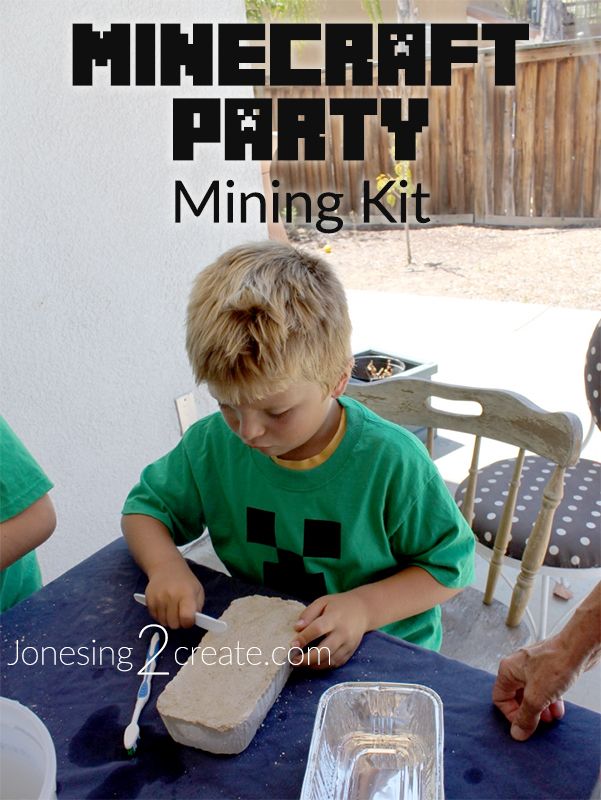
[27, 755]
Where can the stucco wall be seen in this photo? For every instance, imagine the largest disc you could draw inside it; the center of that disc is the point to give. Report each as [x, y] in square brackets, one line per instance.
[95, 273]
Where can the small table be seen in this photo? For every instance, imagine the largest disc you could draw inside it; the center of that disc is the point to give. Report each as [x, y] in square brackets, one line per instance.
[87, 620]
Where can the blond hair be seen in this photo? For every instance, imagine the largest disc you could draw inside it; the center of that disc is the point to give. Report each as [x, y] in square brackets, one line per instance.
[263, 316]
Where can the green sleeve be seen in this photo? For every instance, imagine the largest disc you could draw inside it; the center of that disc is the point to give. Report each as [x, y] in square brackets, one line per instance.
[22, 480]
[167, 490]
[434, 535]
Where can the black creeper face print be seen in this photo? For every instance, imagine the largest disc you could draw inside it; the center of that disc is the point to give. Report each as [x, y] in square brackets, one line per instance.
[288, 575]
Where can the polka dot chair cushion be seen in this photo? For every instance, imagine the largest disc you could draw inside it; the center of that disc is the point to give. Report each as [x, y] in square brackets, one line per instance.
[576, 532]
[592, 375]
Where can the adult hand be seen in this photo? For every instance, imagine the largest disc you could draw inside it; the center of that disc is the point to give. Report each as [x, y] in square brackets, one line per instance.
[530, 684]
[174, 594]
[339, 620]
[531, 681]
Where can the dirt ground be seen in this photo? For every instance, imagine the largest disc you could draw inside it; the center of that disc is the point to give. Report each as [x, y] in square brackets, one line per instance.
[556, 267]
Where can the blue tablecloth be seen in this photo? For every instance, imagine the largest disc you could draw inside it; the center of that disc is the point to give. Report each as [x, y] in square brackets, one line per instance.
[86, 706]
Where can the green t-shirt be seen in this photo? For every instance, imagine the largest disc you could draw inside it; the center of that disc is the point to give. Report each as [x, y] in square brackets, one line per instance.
[22, 482]
[377, 505]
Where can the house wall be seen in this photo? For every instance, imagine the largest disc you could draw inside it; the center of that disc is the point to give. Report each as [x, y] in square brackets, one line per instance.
[95, 273]
[312, 53]
[424, 10]
[445, 11]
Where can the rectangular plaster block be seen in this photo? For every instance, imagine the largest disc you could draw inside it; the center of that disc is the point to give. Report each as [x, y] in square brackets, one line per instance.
[223, 692]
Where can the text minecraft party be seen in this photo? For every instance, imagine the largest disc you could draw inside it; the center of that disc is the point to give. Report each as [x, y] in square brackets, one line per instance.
[244, 125]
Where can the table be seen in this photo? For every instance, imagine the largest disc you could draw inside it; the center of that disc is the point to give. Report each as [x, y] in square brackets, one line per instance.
[86, 706]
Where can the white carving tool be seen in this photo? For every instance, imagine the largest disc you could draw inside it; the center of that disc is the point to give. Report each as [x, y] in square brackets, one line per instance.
[202, 620]
[132, 732]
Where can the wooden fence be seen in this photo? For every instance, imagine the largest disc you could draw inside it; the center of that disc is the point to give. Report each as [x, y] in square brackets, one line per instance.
[524, 154]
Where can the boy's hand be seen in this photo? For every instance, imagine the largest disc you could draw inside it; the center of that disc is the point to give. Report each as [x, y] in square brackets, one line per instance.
[174, 594]
[339, 620]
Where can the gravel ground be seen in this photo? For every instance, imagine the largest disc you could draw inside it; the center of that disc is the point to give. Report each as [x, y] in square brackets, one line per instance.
[550, 266]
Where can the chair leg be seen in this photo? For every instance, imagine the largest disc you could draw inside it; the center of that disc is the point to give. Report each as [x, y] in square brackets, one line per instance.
[536, 548]
[544, 608]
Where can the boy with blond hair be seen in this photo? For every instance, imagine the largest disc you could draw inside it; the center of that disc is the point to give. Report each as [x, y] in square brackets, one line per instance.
[302, 489]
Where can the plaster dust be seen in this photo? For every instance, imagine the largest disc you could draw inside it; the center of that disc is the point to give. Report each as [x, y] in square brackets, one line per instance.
[223, 692]
[550, 266]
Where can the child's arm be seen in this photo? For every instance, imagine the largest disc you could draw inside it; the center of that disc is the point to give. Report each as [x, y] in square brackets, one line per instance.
[173, 593]
[344, 618]
[25, 531]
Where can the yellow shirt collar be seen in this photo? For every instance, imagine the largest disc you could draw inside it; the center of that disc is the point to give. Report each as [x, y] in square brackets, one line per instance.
[320, 458]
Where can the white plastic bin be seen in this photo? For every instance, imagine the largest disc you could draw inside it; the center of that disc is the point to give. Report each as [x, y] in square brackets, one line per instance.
[27, 755]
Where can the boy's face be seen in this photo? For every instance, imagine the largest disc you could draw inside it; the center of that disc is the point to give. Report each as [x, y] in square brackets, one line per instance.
[294, 424]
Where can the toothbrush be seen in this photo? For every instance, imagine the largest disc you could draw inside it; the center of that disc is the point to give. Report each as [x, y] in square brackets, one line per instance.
[202, 620]
[132, 732]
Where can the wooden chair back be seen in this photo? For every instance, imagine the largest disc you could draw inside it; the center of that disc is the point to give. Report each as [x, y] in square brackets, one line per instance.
[503, 416]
